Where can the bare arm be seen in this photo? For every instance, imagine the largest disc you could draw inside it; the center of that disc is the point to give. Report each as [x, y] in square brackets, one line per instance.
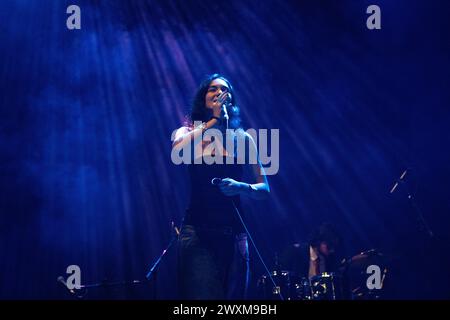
[185, 136]
[258, 190]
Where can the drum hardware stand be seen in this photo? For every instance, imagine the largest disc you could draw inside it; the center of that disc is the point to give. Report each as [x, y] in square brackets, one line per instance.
[155, 265]
[151, 274]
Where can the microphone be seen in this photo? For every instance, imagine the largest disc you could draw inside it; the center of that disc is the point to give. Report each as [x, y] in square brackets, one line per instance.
[63, 282]
[402, 177]
[224, 107]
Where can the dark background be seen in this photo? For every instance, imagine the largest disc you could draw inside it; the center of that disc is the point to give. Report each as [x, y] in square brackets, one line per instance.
[86, 118]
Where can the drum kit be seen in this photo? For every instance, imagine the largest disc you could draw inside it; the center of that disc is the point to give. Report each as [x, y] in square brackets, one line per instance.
[348, 282]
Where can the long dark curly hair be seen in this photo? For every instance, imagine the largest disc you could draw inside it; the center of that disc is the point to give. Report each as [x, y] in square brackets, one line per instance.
[328, 233]
[199, 112]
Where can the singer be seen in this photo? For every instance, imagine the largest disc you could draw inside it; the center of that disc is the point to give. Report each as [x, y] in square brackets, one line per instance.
[213, 258]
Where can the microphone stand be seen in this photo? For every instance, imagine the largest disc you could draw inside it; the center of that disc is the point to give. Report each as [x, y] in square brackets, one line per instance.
[217, 181]
[105, 284]
[419, 215]
[150, 274]
[225, 114]
[423, 225]
[243, 223]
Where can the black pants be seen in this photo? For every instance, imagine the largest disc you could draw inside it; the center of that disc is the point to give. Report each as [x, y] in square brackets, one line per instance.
[212, 264]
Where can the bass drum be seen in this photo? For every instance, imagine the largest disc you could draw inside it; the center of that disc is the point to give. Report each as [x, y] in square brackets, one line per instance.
[365, 274]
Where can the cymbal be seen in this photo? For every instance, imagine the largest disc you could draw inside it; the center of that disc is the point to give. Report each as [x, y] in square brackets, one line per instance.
[363, 259]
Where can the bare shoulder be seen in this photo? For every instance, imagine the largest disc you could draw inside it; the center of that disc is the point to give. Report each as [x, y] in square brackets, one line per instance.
[183, 130]
[179, 133]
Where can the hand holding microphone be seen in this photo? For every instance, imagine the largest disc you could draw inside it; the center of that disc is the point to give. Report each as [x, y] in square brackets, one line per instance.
[220, 105]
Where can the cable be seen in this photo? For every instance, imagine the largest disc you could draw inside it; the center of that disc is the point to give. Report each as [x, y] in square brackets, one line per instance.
[256, 249]
[251, 239]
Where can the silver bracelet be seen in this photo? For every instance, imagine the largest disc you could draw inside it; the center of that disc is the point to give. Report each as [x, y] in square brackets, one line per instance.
[202, 126]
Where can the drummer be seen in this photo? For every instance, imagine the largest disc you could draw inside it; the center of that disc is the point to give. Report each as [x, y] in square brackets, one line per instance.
[320, 254]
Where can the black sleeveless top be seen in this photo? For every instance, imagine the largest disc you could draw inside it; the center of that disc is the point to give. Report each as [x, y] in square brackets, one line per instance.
[208, 206]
